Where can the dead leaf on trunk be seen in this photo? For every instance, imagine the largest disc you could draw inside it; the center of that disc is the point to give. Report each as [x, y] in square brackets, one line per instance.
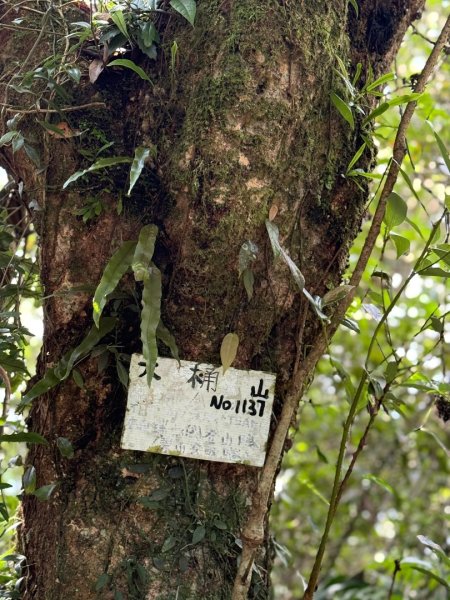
[95, 68]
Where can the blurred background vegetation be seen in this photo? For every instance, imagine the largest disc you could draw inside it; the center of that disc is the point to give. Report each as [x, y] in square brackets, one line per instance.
[400, 488]
[390, 537]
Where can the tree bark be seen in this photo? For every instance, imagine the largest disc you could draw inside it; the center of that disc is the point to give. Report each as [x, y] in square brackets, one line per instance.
[241, 123]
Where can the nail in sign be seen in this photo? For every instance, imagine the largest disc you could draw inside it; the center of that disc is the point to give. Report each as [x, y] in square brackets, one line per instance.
[197, 411]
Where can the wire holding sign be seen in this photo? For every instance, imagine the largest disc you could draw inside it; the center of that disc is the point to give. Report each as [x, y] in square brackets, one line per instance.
[198, 411]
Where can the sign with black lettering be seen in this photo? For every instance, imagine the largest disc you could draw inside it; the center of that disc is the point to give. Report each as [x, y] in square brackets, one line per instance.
[198, 411]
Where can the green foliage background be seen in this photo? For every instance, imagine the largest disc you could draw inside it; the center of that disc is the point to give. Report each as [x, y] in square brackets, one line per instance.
[400, 487]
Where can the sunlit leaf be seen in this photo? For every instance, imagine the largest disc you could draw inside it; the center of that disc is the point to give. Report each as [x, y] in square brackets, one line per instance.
[396, 210]
[402, 244]
[438, 550]
[228, 350]
[380, 81]
[379, 110]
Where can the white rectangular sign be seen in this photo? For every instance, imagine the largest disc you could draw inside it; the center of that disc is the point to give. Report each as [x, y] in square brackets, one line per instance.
[195, 410]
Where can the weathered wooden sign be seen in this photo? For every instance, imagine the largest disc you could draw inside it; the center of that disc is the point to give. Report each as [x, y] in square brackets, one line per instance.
[196, 410]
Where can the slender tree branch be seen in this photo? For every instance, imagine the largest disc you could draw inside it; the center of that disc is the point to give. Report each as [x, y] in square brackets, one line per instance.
[253, 531]
[66, 109]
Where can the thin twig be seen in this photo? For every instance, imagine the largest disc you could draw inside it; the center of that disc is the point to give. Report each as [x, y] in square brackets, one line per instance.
[30, 111]
[397, 570]
[253, 532]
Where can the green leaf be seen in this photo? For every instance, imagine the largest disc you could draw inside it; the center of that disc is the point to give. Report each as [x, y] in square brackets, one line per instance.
[119, 21]
[150, 317]
[27, 437]
[33, 155]
[102, 163]
[220, 525]
[435, 272]
[380, 81]
[78, 378]
[102, 582]
[434, 547]
[404, 99]
[114, 270]
[129, 64]
[396, 211]
[44, 492]
[140, 154]
[423, 567]
[381, 482]
[351, 324]
[159, 494]
[92, 339]
[337, 294]
[29, 480]
[62, 370]
[122, 373]
[356, 157]
[442, 149]
[8, 137]
[391, 371]
[199, 534]
[248, 279]
[65, 447]
[343, 108]
[402, 244]
[186, 8]
[143, 253]
[355, 6]
[163, 334]
[379, 110]
[169, 543]
[228, 350]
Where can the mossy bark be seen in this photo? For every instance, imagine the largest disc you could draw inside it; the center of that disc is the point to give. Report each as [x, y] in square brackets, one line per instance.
[242, 122]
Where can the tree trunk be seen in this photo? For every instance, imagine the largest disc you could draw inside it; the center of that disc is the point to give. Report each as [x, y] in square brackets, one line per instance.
[242, 121]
